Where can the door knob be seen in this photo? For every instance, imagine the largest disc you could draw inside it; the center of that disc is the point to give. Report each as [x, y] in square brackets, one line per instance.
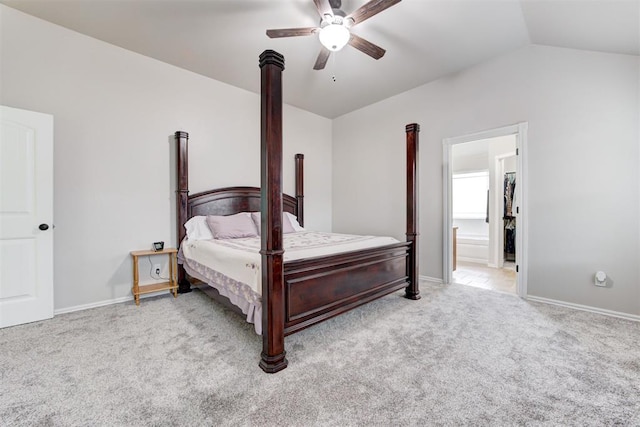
[43, 227]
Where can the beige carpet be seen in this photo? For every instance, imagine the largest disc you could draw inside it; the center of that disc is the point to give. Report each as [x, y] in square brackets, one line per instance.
[458, 356]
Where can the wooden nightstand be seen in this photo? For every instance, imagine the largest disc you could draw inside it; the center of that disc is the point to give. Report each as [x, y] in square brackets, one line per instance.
[171, 285]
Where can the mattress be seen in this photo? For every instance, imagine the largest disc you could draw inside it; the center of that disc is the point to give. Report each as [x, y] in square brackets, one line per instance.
[233, 266]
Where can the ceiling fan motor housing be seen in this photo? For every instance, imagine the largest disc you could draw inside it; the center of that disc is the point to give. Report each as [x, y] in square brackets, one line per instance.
[337, 18]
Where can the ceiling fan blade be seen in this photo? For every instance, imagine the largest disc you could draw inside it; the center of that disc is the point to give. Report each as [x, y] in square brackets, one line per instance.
[292, 32]
[364, 46]
[368, 10]
[324, 8]
[323, 56]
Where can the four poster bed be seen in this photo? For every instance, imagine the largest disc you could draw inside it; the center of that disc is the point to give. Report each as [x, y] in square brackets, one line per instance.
[297, 293]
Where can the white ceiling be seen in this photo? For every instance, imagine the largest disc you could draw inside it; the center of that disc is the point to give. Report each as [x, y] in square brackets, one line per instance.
[424, 39]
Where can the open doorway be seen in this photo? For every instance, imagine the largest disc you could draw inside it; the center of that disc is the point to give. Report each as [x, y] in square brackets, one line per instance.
[484, 221]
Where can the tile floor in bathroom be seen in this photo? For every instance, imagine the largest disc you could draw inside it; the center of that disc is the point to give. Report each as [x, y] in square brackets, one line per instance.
[481, 276]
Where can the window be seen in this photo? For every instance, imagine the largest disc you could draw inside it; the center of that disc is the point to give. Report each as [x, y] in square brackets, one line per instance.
[470, 195]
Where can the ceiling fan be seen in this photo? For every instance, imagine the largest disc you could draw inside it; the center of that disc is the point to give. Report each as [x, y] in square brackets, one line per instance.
[334, 30]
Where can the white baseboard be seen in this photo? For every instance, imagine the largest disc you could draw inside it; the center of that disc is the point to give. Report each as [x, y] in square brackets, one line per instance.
[102, 303]
[432, 279]
[627, 316]
[482, 261]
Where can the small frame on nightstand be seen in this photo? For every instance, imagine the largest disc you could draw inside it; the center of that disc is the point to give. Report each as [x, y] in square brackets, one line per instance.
[171, 285]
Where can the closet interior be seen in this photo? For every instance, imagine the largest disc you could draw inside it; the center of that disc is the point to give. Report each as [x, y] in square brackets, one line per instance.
[509, 217]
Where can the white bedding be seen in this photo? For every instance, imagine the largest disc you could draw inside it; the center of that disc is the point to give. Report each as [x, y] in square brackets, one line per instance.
[239, 259]
[233, 266]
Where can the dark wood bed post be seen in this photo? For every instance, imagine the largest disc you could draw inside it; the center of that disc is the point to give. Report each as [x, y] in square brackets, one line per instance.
[182, 198]
[413, 290]
[273, 354]
[300, 187]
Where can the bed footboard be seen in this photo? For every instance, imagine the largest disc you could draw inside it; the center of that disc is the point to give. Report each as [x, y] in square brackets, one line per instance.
[317, 289]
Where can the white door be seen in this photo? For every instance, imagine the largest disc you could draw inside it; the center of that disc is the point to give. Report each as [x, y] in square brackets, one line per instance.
[26, 216]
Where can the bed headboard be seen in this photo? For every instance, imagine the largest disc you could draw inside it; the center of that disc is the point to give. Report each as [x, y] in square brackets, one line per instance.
[231, 200]
[228, 200]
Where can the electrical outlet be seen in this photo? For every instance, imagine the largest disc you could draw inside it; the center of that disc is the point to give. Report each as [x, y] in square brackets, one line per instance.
[156, 269]
[600, 279]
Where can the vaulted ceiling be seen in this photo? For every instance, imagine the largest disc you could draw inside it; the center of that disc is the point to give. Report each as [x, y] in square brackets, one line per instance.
[424, 39]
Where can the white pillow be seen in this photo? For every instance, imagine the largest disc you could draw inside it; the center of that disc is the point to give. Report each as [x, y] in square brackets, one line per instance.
[294, 221]
[198, 229]
[289, 223]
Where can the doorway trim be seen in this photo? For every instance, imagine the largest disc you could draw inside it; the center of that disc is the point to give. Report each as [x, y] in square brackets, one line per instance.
[520, 132]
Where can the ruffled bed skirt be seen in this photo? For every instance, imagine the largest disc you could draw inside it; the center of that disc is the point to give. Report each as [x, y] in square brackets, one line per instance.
[227, 287]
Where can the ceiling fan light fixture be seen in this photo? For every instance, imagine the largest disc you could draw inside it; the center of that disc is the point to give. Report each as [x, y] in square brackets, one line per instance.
[334, 28]
[334, 36]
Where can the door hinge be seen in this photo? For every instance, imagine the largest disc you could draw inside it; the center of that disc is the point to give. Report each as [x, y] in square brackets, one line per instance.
[517, 268]
[517, 209]
[517, 151]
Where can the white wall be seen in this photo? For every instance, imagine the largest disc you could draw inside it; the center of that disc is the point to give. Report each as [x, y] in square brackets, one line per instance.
[461, 163]
[115, 112]
[583, 158]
